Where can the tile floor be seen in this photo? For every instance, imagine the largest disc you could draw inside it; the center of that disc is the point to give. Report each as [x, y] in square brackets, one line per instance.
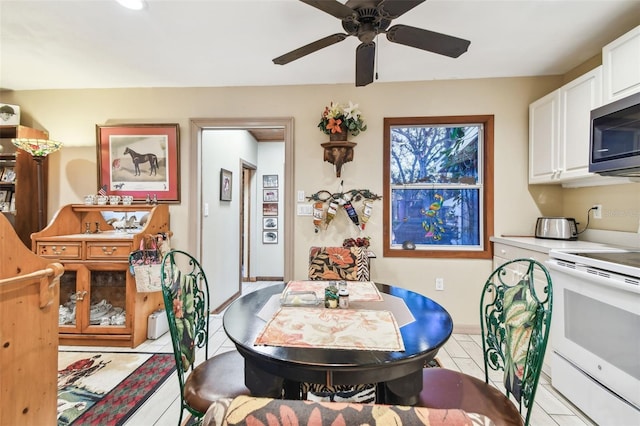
[463, 352]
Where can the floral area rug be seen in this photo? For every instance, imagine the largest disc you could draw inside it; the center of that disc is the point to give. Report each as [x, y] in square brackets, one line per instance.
[106, 388]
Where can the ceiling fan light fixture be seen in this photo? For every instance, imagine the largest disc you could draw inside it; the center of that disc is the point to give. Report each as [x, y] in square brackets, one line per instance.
[132, 4]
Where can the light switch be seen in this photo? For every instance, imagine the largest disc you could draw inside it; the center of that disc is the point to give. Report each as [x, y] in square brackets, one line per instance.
[305, 210]
[301, 196]
[206, 209]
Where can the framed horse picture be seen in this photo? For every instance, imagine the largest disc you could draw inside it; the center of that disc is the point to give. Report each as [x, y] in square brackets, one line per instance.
[141, 160]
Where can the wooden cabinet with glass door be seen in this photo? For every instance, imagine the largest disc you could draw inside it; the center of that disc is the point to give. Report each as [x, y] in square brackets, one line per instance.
[99, 303]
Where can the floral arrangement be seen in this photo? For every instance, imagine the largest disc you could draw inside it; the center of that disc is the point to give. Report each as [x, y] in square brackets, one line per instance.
[357, 242]
[337, 118]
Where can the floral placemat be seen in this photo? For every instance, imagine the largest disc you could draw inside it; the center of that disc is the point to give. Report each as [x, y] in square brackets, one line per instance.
[359, 291]
[372, 330]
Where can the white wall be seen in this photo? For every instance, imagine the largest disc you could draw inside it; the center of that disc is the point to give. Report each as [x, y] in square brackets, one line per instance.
[267, 260]
[223, 149]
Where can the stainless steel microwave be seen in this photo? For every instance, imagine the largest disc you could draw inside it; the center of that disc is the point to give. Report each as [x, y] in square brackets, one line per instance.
[615, 138]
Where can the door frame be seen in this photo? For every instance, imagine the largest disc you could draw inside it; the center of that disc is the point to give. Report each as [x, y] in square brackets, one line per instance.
[246, 236]
[195, 185]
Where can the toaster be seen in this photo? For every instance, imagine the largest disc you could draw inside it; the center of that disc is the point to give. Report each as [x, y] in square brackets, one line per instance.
[557, 228]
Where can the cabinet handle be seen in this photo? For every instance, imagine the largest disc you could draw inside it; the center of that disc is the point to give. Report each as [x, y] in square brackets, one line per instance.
[109, 253]
[80, 295]
[55, 251]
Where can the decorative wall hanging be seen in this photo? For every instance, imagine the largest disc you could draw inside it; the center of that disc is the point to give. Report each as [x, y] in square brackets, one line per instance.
[339, 121]
[226, 177]
[270, 181]
[140, 159]
[346, 200]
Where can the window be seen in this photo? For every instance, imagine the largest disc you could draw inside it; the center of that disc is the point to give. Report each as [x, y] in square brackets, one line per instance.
[438, 186]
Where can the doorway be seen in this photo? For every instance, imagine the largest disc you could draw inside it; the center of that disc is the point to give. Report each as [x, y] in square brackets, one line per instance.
[246, 236]
[217, 218]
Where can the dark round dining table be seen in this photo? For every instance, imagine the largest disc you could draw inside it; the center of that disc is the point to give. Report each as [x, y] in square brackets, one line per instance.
[271, 369]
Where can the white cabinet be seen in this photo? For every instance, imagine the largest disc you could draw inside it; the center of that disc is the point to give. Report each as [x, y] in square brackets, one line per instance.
[559, 126]
[544, 117]
[621, 64]
[577, 99]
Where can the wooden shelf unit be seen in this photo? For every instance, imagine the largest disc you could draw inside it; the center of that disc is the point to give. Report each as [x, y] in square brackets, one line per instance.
[97, 270]
[25, 187]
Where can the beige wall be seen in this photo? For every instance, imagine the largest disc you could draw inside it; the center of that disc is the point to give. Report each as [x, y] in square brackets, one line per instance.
[71, 115]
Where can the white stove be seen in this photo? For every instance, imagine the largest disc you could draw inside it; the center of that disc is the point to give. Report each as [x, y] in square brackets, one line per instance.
[596, 331]
[619, 265]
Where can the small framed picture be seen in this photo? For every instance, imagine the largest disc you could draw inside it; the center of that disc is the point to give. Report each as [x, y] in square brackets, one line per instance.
[270, 195]
[270, 237]
[3, 195]
[269, 223]
[270, 209]
[225, 185]
[270, 181]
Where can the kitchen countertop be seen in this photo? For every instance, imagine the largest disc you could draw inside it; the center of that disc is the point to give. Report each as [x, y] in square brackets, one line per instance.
[543, 245]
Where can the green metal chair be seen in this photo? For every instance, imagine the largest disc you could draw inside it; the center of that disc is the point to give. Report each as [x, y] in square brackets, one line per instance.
[515, 316]
[186, 299]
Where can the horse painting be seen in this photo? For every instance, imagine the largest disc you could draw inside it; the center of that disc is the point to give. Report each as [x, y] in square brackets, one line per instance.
[142, 158]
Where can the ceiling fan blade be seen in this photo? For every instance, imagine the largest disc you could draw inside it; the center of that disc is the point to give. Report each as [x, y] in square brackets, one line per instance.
[391, 9]
[332, 7]
[309, 48]
[428, 40]
[365, 61]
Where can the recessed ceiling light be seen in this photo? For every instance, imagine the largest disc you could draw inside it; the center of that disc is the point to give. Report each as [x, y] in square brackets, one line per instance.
[132, 4]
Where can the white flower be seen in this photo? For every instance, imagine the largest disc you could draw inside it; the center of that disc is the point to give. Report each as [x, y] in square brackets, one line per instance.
[352, 111]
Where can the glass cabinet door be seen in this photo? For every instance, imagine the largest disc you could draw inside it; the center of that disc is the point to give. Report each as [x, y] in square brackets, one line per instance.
[108, 298]
[67, 315]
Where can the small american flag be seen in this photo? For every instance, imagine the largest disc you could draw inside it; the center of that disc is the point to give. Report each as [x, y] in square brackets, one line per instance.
[103, 190]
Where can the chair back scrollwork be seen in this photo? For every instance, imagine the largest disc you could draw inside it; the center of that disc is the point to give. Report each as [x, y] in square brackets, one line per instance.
[515, 313]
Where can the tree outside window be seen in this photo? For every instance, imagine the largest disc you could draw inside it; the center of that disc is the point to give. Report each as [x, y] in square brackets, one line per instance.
[438, 186]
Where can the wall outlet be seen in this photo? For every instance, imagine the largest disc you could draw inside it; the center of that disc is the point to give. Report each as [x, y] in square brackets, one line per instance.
[597, 211]
[439, 284]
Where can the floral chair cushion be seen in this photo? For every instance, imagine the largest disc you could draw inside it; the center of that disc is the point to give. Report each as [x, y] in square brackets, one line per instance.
[182, 289]
[247, 410]
[519, 319]
[338, 263]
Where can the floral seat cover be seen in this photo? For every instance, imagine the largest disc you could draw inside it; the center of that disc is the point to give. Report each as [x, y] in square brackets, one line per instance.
[338, 263]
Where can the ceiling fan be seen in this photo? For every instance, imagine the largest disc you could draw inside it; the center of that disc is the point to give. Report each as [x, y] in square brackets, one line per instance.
[366, 19]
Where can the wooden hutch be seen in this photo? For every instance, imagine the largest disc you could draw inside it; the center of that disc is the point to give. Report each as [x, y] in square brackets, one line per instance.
[99, 303]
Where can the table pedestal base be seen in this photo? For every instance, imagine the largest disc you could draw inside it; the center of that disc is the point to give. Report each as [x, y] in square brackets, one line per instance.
[402, 391]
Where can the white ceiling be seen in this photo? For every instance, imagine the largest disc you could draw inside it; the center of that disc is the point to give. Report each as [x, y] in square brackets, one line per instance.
[98, 44]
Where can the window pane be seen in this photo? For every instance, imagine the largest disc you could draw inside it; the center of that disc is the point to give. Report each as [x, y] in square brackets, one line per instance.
[435, 154]
[436, 218]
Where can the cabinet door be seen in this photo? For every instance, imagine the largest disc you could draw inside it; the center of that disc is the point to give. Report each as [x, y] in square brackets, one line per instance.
[621, 64]
[543, 138]
[72, 295]
[578, 98]
[107, 291]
